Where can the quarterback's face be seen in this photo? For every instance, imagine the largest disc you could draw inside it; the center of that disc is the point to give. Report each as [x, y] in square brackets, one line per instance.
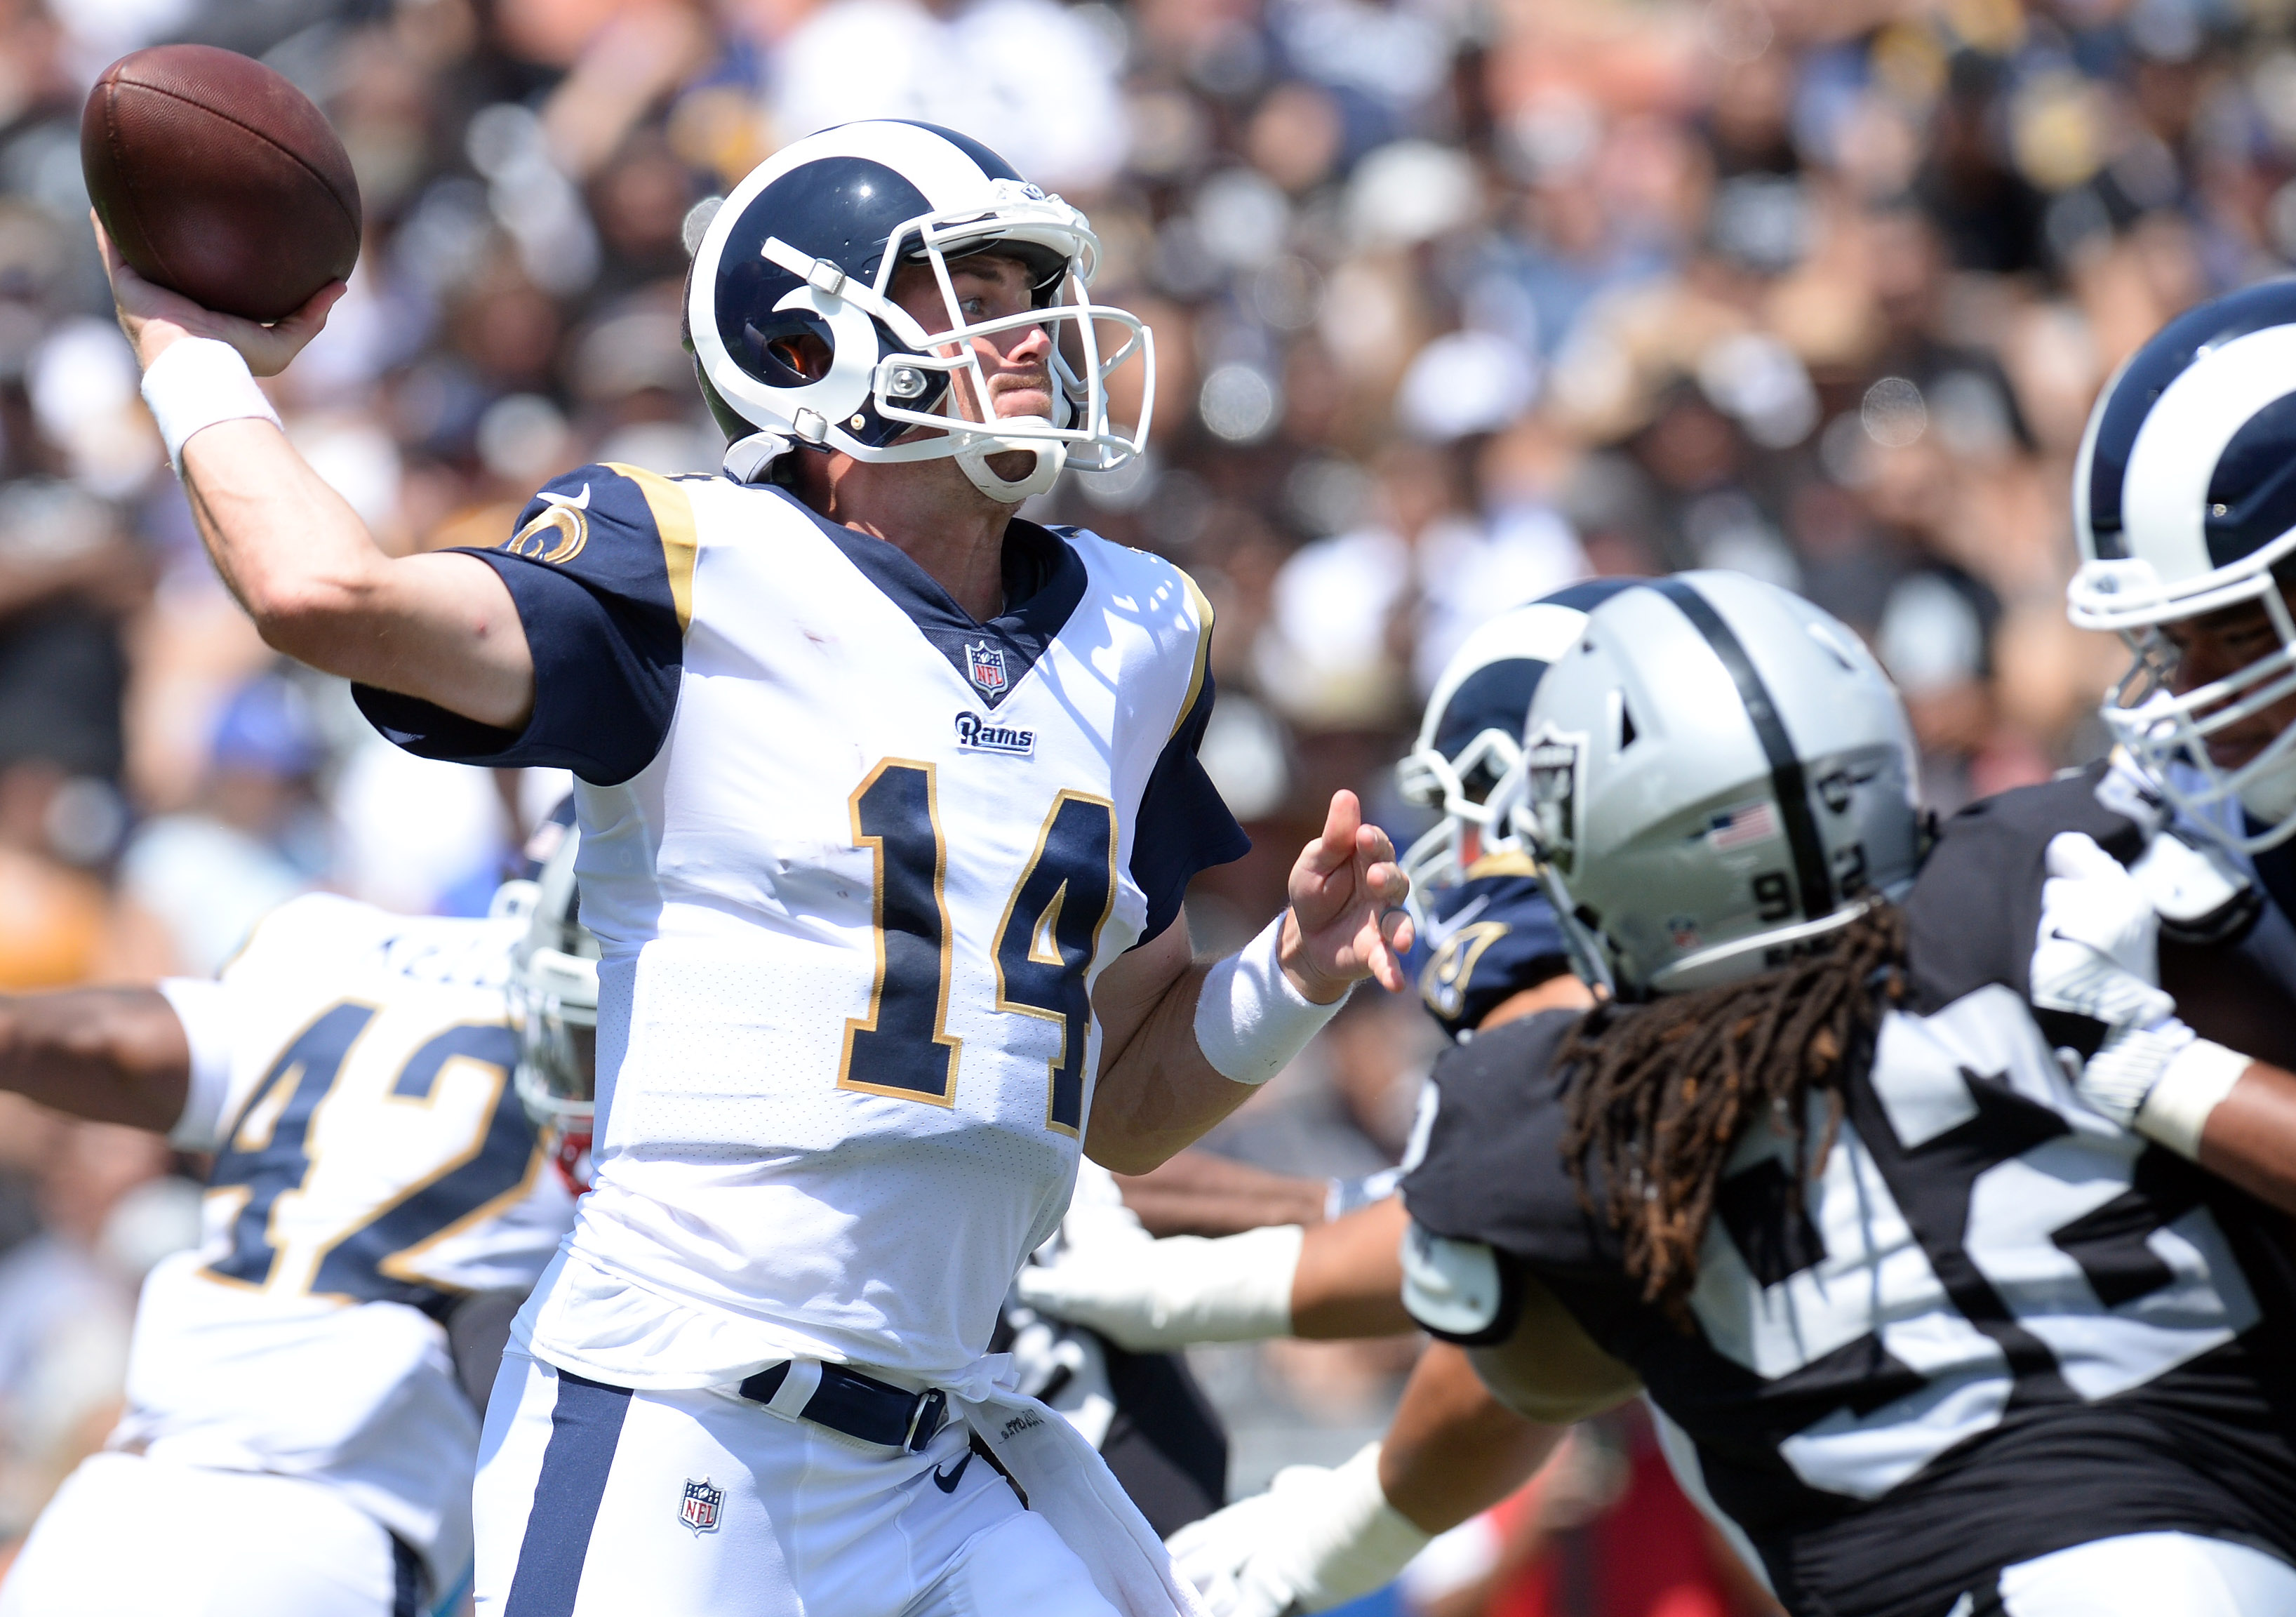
[1016, 363]
[2215, 647]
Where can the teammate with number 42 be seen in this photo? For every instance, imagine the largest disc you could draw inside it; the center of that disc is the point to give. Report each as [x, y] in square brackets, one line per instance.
[888, 799]
[304, 1389]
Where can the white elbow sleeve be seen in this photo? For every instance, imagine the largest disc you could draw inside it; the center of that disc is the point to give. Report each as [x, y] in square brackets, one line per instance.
[1250, 1021]
[1149, 1296]
[195, 384]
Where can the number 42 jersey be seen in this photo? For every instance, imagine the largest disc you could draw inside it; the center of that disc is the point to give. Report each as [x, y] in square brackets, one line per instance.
[351, 1073]
[855, 861]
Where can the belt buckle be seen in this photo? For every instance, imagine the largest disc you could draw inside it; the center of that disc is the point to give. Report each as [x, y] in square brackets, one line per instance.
[933, 1401]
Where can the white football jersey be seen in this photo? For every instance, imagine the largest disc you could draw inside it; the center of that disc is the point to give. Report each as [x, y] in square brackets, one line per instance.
[855, 861]
[351, 1072]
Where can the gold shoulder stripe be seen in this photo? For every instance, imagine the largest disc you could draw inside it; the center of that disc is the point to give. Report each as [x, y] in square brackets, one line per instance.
[1203, 611]
[673, 519]
[1503, 865]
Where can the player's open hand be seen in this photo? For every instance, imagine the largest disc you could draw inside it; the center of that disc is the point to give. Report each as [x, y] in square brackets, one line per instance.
[1347, 920]
[154, 318]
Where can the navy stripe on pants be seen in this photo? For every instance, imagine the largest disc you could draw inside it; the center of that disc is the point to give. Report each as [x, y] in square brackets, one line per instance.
[585, 1423]
[405, 1580]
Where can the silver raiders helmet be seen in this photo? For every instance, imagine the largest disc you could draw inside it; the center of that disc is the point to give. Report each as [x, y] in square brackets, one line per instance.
[1718, 776]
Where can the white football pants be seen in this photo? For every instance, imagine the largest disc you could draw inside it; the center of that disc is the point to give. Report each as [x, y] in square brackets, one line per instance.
[129, 1537]
[2142, 1575]
[595, 1501]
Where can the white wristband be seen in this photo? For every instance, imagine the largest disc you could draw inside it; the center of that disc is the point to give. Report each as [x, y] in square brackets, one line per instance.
[2193, 1085]
[195, 384]
[1348, 1541]
[1250, 1021]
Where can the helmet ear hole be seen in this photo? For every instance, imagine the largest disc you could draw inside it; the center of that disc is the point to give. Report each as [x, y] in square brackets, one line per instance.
[803, 353]
[791, 350]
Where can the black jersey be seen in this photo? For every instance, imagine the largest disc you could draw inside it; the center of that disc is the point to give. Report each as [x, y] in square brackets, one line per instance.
[1997, 1325]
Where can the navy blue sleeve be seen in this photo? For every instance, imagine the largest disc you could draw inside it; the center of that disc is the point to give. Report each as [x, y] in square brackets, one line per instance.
[1184, 826]
[602, 570]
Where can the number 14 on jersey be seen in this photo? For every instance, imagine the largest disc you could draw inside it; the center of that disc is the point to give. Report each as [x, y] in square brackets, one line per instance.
[1045, 943]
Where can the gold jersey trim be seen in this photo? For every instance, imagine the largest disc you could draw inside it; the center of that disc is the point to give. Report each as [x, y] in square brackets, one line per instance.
[1203, 611]
[673, 521]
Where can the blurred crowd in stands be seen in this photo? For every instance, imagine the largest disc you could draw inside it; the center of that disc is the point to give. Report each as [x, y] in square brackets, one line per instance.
[1455, 301]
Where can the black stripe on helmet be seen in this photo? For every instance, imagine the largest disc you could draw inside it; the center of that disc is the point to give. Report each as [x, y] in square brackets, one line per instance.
[1813, 883]
[1587, 593]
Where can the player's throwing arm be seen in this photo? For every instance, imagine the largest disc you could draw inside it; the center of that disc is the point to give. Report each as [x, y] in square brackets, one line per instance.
[224, 175]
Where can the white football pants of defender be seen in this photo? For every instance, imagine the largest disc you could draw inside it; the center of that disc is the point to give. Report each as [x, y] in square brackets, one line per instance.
[128, 1537]
[2142, 1575]
[580, 1513]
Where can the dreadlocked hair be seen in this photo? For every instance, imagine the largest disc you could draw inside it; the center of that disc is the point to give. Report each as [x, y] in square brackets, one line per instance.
[1660, 1093]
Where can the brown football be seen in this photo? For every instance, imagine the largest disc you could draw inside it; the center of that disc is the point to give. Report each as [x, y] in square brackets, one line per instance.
[219, 179]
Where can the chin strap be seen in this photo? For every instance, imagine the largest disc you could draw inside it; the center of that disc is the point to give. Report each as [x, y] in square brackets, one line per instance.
[974, 462]
[748, 459]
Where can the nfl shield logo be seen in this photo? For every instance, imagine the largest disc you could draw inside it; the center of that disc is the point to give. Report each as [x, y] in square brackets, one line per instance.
[700, 1510]
[986, 665]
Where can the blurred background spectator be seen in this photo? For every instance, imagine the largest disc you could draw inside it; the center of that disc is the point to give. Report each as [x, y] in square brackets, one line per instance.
[1457, 301]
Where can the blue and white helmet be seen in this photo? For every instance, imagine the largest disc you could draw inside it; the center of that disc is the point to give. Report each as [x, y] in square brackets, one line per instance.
[807, 245]
[2184, 504]
[1468, 759]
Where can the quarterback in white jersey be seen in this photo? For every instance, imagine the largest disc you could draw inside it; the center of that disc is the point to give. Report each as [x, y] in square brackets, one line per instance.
[887, 800]
[296, 1438]
[872, 849]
